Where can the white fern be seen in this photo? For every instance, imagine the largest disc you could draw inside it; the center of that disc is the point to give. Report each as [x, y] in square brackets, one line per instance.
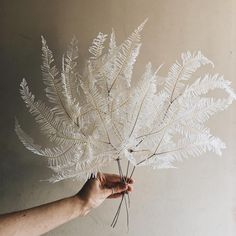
[100, 116]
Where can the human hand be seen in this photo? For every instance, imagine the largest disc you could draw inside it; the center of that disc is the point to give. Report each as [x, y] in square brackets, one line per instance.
[44, 218]
[96, 190]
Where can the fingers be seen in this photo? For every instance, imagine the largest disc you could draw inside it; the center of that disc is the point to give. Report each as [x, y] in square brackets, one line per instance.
[112, 178]
[117, 195]
[119, 190]
[129, 180]
[116, 188]
[116, 178]
[130, 188]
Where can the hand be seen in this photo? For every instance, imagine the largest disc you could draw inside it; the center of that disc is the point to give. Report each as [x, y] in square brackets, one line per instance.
[44, 218]
[96, 190]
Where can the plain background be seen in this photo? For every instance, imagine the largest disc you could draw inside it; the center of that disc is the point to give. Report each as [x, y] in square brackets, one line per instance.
[197, 199]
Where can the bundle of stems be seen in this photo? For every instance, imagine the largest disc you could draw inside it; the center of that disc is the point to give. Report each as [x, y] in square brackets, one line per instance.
[125, 197]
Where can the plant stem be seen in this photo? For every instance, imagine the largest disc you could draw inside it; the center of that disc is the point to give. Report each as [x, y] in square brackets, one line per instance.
[115, 219]
[127, 214]
[132, 172]
[126, 176]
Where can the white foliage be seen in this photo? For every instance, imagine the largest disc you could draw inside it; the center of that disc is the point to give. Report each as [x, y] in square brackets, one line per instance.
[100, 116]
[97, 46]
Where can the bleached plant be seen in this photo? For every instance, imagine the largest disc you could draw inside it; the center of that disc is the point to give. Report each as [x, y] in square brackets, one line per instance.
[100, 116]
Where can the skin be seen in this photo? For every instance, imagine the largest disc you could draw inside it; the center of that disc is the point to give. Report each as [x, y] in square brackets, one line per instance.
[41, 219]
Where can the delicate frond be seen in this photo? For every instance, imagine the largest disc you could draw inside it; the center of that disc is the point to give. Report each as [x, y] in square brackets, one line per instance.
[56, 155]
[120, 66]
[70, 80]
[202, 108]
[50, 124]
[27, 140]
[70, 71]
[100, 116]
[180, 72]
[54, 86]
[143, 95]
[82, 170]
[186, 148]
[202, 86]
[97, 46]
[112, 43]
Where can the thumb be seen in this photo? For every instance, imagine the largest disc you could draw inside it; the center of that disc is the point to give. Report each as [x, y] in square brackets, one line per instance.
[118, 188]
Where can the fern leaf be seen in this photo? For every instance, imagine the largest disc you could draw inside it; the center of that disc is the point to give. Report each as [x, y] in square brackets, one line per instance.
[57, 157]
[121, 65]
[204, 108]
[82, 170]
[112, 43]
[70, 80]
[97, 46]
[27, 140]
[70, 71]
[30, 145]
[182, 72]
[98, 104]
[156, 122]
[141, 97]
[53, 83]
[186, 148]
[49, 123]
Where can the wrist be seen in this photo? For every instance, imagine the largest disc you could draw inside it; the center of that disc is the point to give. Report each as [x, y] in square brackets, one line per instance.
[81, 205]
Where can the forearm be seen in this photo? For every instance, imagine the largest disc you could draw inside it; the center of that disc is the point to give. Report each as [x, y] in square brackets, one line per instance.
[39, 220]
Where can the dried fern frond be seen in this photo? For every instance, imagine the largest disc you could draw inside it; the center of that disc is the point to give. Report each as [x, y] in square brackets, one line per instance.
[154, 121]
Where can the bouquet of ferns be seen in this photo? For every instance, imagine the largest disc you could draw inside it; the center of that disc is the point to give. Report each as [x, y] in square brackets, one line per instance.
[100, 116]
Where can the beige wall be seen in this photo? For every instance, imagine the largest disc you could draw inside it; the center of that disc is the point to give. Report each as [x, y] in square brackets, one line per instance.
[194, 200]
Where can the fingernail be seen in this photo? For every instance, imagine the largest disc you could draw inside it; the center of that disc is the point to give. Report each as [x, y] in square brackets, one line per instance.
[131, 181]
